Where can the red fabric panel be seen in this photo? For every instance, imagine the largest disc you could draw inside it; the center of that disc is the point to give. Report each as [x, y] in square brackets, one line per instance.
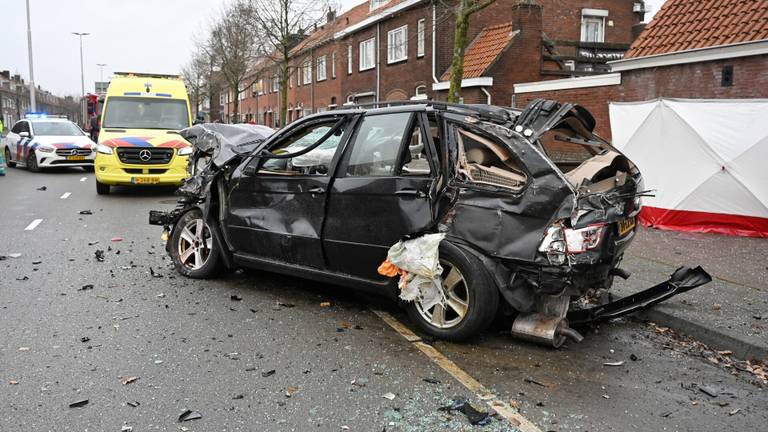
[703, 222]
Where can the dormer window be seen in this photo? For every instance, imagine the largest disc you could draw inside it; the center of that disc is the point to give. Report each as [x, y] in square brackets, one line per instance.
[375, 4]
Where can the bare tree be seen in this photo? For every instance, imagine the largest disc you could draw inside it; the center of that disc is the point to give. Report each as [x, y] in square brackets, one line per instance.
[283, 24]
[196, 75]
[464, 9]
[233, 43]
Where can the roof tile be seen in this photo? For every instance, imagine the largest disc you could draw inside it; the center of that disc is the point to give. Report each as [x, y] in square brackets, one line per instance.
[688, 24]
[483, 51]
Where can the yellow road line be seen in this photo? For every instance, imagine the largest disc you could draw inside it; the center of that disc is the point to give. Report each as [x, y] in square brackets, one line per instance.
[504, 409]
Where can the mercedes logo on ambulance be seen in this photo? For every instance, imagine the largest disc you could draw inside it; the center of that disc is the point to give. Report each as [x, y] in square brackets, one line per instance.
[145, 155]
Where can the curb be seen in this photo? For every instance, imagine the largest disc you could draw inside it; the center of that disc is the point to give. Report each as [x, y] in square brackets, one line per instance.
[741, 348]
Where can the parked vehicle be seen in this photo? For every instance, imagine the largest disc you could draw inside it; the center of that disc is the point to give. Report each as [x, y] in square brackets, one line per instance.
[40, 141]
[536, 210]
[138, 138]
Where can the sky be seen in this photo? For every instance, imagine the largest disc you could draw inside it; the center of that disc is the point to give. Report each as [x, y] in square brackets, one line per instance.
[137, 35]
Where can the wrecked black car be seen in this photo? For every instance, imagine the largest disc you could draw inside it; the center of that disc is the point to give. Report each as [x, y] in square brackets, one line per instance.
[523, 212]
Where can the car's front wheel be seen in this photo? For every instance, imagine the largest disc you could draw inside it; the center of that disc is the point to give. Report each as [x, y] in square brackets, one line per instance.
[101, 188]
[32, 162]
[193, 250]
[8, 158]
[471, 298]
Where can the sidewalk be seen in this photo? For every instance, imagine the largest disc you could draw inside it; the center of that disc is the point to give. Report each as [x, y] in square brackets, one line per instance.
[729, 313]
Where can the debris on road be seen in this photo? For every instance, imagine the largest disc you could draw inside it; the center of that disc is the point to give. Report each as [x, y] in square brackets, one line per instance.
[99, 255]
[129, 380]
[617, 363]
[86, 212]
[188, 415]
[84, 339]
[22, 278]
[268, 373]
[14, 255]
[126, 428]
[290, 391]
[325, 304]
[86, 287]
[708, 391]
[42, 188]
[235, 297]
[538, 383]
[133, 404]
[36, 262]
[390, 396]
[116, 239]
[475, 417]
[633, 357]
[78, 404]
[734, 412]
[13, 382]
[431, 380]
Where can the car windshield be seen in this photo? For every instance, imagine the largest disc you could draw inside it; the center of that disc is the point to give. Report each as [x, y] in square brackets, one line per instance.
[145, 113]
[56, 129]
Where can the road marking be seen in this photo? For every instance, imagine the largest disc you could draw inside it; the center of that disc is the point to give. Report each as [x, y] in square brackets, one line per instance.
[33, 225]
[84, 179]
[65, 195]
[502, 408]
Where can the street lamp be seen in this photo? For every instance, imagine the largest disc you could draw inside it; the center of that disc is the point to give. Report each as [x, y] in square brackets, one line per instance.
[82, 74]
[101, 71]
[32, 102]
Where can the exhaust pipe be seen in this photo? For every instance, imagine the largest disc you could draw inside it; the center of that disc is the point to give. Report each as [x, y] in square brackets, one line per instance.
[544, 329]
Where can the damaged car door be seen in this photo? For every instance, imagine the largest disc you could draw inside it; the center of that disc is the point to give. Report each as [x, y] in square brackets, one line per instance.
[277, 206]
[381, 192]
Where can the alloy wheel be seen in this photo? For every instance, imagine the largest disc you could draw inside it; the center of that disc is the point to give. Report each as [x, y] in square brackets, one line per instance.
[195, 244]
[452, 311]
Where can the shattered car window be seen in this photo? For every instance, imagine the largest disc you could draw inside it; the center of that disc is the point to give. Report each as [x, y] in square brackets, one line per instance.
[315, 162]
[486, 162]
[376, 146]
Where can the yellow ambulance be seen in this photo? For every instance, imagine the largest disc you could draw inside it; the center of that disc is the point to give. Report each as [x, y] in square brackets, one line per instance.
[138, 140]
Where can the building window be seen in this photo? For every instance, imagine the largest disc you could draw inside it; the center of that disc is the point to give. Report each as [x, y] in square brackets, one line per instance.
[333, 65]
[420, 28]
[726, 78]
[222, 99]
[420, 93]
[375, 4]
[398, 44]
[367, 54]
[275, 83]
[306, 72]
[261, 86]
[321, 69]
[349, 59]
[593, 25]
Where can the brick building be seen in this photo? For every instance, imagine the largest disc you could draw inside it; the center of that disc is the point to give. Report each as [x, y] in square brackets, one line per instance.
[691, 49]
[385, 50]
[15, 100]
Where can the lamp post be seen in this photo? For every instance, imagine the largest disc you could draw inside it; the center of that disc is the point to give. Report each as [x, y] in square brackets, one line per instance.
[82, 74]
[32, 101]
[101, 71]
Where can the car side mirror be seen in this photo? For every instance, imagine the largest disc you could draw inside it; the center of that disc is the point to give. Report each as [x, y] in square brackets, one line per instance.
[24, 134]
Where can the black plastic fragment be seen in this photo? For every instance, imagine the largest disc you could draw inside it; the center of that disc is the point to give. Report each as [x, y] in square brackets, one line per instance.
[42, 188]
[474, 416]
[86, 212]
[99, 255]
[268, 373]
[78, 404]
[188, 415]
[235, 297]
[86, 287]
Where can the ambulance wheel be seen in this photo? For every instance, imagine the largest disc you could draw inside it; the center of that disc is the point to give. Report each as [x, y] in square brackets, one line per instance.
[8, 159]
[32, 162]
[101, 188]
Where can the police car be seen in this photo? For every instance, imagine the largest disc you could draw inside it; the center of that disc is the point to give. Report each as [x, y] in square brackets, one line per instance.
[40, 141]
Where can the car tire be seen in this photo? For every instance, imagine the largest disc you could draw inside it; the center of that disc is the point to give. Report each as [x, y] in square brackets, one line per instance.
[101, 188]
[194, 253]
[8, 159]
[475, 287]
[32, 162]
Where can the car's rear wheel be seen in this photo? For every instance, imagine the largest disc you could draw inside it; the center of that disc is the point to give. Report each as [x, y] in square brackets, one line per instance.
[32, 162]
[101, 188]
[471, 298]
[8, 158]
[193, 249]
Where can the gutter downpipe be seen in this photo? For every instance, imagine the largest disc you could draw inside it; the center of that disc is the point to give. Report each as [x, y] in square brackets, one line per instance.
[434, 44]
[312, 75]
[486, 94]
[378, 60]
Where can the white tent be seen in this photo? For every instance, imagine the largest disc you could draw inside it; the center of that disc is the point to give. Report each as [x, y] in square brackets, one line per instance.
[706, 159]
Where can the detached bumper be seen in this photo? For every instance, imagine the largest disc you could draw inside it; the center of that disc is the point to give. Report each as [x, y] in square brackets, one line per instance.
[109, 170]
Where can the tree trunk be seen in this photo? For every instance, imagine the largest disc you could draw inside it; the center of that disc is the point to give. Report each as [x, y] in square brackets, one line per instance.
[459, 46]
[236, 105]
[283, 98]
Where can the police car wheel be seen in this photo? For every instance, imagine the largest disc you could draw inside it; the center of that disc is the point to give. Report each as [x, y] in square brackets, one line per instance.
[32, 162]
[8, 159]
[88, 168]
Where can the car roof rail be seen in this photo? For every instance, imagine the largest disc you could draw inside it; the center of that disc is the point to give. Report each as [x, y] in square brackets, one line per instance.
[492, 113]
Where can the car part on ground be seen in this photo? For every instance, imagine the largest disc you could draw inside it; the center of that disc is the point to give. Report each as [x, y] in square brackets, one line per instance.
[530, 207]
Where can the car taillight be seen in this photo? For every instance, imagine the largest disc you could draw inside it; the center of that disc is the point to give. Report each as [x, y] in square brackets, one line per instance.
[560, 241]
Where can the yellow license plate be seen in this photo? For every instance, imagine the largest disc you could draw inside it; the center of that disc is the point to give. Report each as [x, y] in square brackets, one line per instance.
[145, 180]
[626, 226]
[75, 157]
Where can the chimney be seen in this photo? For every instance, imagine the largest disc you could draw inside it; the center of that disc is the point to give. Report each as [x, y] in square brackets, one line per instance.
[330, 16]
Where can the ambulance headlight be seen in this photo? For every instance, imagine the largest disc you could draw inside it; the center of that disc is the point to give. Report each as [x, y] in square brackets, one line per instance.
[185, 151]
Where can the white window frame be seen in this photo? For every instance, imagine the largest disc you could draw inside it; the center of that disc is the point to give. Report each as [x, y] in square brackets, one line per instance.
[392, 47]
[375, 4]
[593, 19]
[262, 89]
[349, 59]
[368, 43]
[333, 65]
[322, 69]
[306, 72]
[222, 99]
[421, 29]
[275, 83]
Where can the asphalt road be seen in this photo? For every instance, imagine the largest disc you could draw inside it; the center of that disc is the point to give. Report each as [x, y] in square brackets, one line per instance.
[190, 345]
